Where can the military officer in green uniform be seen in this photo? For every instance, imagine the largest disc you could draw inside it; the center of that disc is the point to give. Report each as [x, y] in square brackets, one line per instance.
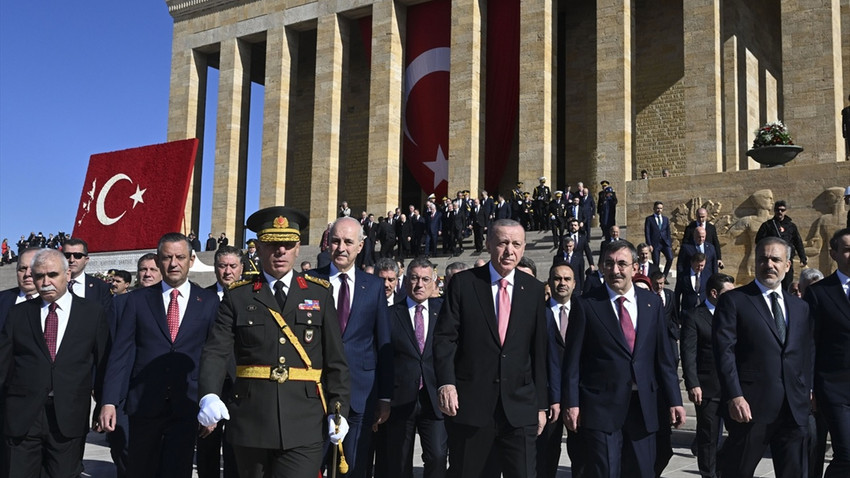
[291, 369]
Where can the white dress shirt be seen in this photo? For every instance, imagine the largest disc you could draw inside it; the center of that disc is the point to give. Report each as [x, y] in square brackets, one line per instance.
[79, 286]
[630, 304]
[63, 312]
[765, 293]
[494, 286]
[286, 280]
[411, 310]
[182, 297]
[556, 312]
[335, 282]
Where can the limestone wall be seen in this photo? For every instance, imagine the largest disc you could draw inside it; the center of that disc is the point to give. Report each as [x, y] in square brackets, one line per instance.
[739, 202]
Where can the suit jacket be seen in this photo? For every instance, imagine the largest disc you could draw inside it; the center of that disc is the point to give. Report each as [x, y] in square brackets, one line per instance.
[652, 268]
[29, 374]
[710, 236]
[582, 246]
[831, 312]
[576, 263]
[408, 363]
[366, 340]
[687, 251]
[685, 296]
[698, 367]
[555, 355]
[582, 215]
[598, 367]
[8, 298]
[468, 354]
[502, 211]
[265, 414]
[657, 236]
[163, 375]
[98, 291]
[591, 281]
[751, 362]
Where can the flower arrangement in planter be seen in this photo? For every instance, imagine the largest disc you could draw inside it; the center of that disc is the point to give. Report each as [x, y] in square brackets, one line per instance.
[773, 145]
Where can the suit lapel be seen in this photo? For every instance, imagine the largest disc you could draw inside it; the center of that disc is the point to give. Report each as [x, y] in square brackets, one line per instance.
[518, 305]
[644, 322]
[835, 292]
[606, 316]
[433, 313]
[403, 317]
[766, 313]
[485, 300]
[553, 324]
[157, 309]
[34, 316]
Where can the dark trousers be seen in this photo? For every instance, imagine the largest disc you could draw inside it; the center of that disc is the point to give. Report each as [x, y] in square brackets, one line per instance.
[549, 449]
[744, 447]
[837, 417]
[708, 429]
[629, 452]
[162, 446]
[301, 462]
[469, 447]
[657, 250]
[118, 441]
[478, 237]
[210, 450]
[817, 444]
[44, 450]
[403, 424]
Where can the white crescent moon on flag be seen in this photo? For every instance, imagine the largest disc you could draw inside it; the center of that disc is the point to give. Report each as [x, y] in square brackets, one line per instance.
[431, 61]
[101, 199]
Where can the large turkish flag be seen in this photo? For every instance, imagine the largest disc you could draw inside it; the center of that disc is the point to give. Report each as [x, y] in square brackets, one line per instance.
[132, 197]
[426, 94]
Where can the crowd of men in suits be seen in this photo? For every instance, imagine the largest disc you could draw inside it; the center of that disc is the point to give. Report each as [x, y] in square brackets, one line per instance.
[285, 373]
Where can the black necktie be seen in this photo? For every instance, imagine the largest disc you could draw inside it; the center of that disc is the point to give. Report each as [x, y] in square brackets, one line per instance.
[279, 294]
[778, 316]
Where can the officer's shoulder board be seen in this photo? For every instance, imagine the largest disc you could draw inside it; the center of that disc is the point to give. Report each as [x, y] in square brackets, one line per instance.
[322, 282]
[239, 284]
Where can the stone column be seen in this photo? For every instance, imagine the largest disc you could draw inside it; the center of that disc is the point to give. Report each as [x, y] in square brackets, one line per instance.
[281, 49]
[812, 79]
[703, 114]
[465, 96]
[731, 99]
[614, 125]
[186, 108]
[231, 150]
[535, 91]
[385, 93]
[331, 37]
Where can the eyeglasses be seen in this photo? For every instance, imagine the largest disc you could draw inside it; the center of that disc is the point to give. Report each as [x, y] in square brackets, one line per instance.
[622, 265]
[75, 255]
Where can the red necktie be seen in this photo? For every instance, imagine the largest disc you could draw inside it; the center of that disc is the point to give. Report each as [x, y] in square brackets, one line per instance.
[51, 330]
[504, 312]
[342, 300]
[419, 322]
[173, 315]
[626, 324]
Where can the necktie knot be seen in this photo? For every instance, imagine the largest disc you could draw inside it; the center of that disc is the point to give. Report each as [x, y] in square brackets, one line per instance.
[419, 308]
[71, 284]
[52, 307]
[174, 294]
[503, 284]
[28, 296]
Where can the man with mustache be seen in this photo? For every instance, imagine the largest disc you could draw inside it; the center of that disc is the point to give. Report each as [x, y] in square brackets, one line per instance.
[50, 348]
[763, 347]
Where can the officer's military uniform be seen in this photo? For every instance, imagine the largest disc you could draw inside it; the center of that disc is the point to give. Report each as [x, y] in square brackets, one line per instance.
[251, 265]
[541, 196]
[282, 395]
[517, 198]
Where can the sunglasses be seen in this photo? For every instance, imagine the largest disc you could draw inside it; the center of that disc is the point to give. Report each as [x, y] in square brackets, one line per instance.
[76, 255]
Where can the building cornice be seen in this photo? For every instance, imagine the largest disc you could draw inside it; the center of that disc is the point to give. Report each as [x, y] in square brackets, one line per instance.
[186, 9]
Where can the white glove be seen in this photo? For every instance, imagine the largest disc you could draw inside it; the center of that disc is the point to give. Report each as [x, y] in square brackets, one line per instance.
[212, 410]
[343, 429]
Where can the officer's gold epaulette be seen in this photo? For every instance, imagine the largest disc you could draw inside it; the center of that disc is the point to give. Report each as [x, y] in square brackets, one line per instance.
[239, 284]
[322, 282]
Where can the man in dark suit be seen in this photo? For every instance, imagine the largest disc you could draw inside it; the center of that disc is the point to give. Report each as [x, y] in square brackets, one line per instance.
[404, 234]
[50, 347]
[433, 222]
[614, 233]
[493, 387]
[606, 207]
[387, 269]
[698, 245]
[582, 242]
[614, 377]
[386, 236]
[83, 285]
[282, 330]
[763, 348]
[501, 210]
[575, 211]
[478, 217]
[592, 279]
[668, 300]
[557, 218]
[25, 290]
[656, 230]
[212, 244]
[574, 259]
[690, 286]
[418, 226]
[700, 373]
[645, 266]
[830, 308]
[228, 264]
[710, 233]
[363, 316]
[157, 347]
[562, 284]
[415, 406]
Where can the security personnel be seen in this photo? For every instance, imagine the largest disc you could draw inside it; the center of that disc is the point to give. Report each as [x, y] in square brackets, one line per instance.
[541, 196]
[517, 198]
[251, 261]
[291, 370]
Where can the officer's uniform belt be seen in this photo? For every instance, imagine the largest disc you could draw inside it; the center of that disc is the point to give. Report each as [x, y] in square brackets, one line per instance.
[281, 374]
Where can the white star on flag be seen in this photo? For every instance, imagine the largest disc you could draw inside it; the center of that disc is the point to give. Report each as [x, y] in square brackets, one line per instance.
[440, 167]
[137, 196]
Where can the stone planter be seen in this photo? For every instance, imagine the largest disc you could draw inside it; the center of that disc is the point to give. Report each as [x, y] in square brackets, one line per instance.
[775, 155]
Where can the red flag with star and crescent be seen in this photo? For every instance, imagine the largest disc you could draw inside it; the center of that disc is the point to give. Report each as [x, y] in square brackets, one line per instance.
[426, 94]
[132, 197]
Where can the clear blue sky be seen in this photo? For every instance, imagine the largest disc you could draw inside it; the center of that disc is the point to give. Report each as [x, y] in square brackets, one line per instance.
[80, 78]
